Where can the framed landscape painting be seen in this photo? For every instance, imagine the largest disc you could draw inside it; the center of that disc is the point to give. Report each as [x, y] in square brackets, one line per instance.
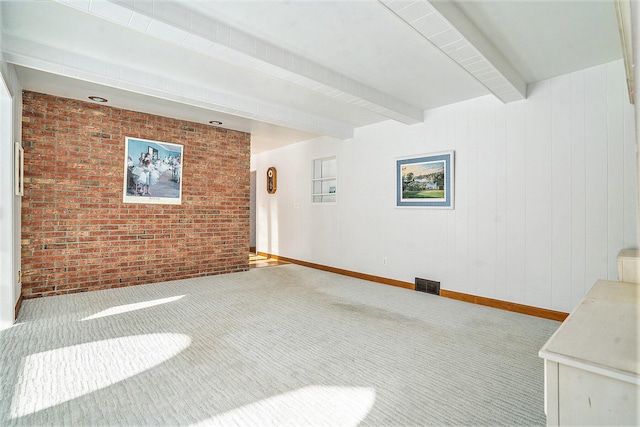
[425, 181]
[152, 172]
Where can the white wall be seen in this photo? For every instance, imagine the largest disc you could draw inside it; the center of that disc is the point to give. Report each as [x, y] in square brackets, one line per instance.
[635, 25]
[10, 108]
[6, 208]
[252, 210]
[545, 195]
[16, 89]
[10, 131]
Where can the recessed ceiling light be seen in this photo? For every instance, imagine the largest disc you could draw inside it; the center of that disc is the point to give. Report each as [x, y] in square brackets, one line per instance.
[215, 122]
[98, 99]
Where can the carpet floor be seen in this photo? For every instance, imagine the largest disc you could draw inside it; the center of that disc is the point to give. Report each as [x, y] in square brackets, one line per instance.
[282, 346]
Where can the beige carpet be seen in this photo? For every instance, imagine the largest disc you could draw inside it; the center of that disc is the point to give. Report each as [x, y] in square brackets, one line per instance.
[287, 346]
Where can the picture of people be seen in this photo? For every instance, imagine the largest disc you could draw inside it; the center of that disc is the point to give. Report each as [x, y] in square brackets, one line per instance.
[153, 172]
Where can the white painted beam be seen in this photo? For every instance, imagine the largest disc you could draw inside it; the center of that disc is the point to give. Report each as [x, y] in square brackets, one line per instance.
[446, 27]
[174, 23]
[40, 57]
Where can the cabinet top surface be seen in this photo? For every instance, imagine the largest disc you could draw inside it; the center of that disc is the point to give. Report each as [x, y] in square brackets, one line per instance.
[629, 253]
[602, 331]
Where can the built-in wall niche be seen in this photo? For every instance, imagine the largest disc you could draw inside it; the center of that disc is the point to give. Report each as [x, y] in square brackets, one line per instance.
[325, 180]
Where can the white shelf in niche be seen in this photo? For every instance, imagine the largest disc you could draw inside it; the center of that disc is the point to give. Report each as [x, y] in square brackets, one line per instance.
[324, 184]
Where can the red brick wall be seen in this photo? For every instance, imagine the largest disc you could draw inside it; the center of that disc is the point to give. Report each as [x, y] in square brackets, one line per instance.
[78, 235]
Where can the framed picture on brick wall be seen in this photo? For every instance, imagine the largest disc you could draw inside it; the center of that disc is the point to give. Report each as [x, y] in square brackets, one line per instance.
[152, 172]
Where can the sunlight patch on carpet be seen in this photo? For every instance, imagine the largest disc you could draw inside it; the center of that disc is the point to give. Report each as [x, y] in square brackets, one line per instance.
[131, 307]
[56, 376]
[314, 405]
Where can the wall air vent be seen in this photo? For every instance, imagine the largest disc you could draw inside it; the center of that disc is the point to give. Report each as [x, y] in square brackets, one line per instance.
[428, 286]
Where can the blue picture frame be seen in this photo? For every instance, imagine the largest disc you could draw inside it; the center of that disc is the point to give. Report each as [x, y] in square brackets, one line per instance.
[426, 181]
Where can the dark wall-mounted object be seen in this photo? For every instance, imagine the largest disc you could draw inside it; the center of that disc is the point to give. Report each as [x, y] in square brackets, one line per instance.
[272, 180]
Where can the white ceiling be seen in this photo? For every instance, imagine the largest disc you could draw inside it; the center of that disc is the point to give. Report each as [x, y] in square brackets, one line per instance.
[287, 71]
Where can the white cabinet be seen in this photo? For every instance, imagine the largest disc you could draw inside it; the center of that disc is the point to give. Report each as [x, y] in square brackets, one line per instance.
[592, 361]
[629, 265]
